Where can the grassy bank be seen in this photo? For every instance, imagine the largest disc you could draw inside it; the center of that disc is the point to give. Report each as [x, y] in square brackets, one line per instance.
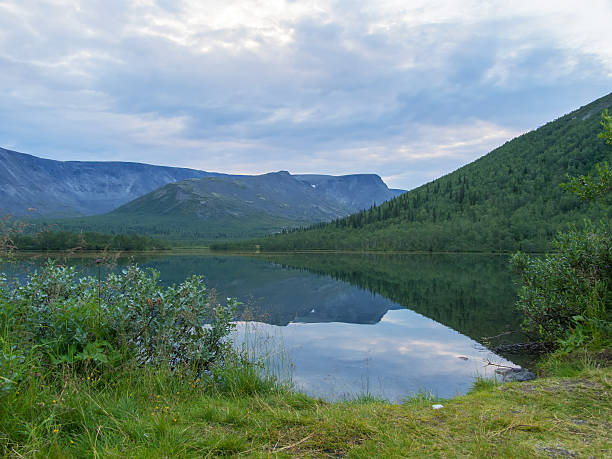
[124, 368]
[156, 413]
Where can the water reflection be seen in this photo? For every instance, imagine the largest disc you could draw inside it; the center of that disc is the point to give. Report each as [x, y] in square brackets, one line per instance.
[471, 293]
[403, 354]
[353, 324]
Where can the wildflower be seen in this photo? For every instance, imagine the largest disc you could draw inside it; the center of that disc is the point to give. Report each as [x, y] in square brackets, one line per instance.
[55, 431]
[71, 442]
[174, 419]
[54, 402]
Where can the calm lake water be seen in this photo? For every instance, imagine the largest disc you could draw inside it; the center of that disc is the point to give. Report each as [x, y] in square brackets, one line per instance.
[347, 325]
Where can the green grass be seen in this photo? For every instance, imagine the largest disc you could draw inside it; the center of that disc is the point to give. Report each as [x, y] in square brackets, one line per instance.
[109, 405]
[481, 384]
[139, 412]
[575, 363]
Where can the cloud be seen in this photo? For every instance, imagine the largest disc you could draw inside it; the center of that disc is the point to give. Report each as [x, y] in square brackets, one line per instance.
[405, 350]
[408, 90]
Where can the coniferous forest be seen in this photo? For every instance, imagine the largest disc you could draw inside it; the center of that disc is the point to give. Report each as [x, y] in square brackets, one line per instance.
[510, 199]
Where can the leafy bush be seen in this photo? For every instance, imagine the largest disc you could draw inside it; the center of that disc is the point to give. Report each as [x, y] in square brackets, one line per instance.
[168, 324]
[57, 310]
[566, 296]
[127, 317]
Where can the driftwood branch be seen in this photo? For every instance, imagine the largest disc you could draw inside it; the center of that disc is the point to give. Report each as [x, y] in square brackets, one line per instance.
[489, 363]
[293, 444]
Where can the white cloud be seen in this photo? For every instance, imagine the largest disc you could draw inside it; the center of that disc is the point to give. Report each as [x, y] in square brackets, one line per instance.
[404, 89]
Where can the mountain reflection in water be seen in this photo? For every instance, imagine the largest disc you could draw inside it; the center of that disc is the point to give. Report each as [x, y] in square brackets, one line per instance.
[386, 325]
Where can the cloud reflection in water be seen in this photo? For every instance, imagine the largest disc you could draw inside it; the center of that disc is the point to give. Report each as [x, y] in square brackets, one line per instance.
[402, 354]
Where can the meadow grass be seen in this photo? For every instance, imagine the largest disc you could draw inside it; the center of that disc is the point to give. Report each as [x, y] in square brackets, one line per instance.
[156, 412]
[107, 401]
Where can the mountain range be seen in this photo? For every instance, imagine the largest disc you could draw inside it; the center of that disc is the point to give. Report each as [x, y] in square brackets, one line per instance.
[298, 198]
[44, 187]
[176, 203]
[507, 200]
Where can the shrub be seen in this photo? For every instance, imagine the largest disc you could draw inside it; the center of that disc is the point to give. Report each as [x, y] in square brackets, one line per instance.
[566, 296]
[180, 324]
[127, 317]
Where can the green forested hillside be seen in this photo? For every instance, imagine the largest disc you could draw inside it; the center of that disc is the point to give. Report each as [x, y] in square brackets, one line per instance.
[510, 199]
[226, 207]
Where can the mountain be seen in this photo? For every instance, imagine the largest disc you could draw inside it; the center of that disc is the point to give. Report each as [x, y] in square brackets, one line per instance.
[507, 200]
[355, 192]
[44, 187]
[303, 198]
[238, 206]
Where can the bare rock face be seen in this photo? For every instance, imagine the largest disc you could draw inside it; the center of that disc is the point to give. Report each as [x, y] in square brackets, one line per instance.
[357, 192]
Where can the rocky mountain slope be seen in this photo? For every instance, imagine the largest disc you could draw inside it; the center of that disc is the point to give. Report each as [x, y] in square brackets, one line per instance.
[355, 192]
[277, 194]
[44, 187]
[229, 207]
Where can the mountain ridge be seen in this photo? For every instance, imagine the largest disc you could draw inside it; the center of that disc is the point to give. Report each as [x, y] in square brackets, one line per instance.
[48, 188]
[506, 200]
[225, 207]
[277, 194]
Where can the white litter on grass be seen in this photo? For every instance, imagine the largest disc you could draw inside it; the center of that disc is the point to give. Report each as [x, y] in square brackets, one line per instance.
[437, 407]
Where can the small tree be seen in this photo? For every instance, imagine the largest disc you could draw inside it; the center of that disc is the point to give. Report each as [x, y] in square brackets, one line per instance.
[9, 228]
[606, 124]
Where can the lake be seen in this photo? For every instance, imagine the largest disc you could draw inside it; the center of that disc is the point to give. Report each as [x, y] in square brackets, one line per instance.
[345, 325]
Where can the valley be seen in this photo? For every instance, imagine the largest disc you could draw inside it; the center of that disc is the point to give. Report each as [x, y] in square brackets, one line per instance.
[305, 229]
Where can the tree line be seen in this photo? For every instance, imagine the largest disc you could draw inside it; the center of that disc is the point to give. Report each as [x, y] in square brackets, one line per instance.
[508, 200]
[67, 240]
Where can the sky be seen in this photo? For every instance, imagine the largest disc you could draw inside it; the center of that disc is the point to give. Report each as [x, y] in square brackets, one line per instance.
[409, 90]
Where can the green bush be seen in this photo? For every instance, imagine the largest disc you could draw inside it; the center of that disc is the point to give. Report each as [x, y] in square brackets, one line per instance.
[180, 324]
[566, 296]
[129, 317]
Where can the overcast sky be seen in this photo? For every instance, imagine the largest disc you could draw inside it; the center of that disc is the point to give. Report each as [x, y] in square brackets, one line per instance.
[407, 89]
